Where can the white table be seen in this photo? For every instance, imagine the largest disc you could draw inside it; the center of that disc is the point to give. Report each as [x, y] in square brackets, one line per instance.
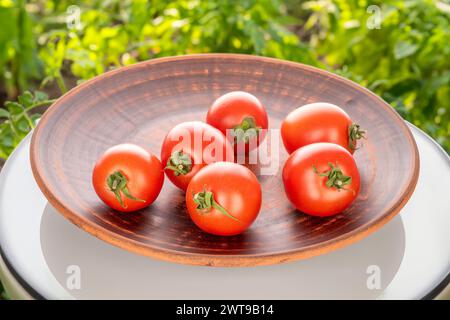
[42, 252]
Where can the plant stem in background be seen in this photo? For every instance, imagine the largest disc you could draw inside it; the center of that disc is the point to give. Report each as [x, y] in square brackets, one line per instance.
[61, 84]
[18, 119]
[19, 54]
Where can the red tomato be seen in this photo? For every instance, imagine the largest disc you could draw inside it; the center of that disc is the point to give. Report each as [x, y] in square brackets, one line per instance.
[224, 198]
[241, 113]
[321, 179]
[128, 178]
[319, 122]
[188, 147]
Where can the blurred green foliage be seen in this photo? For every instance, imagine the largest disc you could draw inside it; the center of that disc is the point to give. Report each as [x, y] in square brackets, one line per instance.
[18, 61]
[115, 33]
[405, 60]
[17, 120]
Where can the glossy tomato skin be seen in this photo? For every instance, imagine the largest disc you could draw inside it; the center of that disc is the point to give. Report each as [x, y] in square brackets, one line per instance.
[235, 188]
[307, 191]
[201, 138]
[316, 122]
[229, 110]
[142, 170]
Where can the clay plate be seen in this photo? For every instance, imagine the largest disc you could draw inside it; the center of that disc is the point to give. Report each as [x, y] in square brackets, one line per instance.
[140, 103]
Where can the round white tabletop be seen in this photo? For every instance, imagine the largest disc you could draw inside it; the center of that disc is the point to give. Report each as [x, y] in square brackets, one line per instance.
[45, 256]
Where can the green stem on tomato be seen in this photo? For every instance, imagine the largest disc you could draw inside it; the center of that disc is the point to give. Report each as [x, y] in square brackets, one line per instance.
[354, 134]
[117, 183]
[335, 177]
[180, 163]
[205, 201]
[246, 130]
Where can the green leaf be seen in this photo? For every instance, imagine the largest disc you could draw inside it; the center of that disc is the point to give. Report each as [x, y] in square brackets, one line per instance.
[23, 125]
[7, 138]
[35, 118]
[40, 96]
[4, 113]
[404, 49]
[14, 108]
[26, 99]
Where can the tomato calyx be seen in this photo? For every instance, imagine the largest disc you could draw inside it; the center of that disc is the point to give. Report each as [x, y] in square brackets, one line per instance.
[205, 201]
[117, 183]
[354, 134]
[246, 130]
[335, 177]
[180, 163]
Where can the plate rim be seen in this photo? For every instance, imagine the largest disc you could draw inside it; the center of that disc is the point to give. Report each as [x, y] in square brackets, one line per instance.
[232, 260]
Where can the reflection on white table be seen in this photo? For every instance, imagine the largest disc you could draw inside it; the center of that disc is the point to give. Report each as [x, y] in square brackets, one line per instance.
[410, 256]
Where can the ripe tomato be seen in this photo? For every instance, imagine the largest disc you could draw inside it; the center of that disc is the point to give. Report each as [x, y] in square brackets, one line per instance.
[127, 177]
[319, 122]
[224, 198]
[244, 115]
[321, 179]
[188, 147]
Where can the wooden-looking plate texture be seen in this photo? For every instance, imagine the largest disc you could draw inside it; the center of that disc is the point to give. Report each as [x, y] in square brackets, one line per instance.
[140, 103]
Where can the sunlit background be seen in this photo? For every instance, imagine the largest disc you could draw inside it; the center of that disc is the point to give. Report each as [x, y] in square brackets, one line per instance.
[398, 49]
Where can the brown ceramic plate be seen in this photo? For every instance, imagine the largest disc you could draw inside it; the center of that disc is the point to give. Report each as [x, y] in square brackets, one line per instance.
[140, 103]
